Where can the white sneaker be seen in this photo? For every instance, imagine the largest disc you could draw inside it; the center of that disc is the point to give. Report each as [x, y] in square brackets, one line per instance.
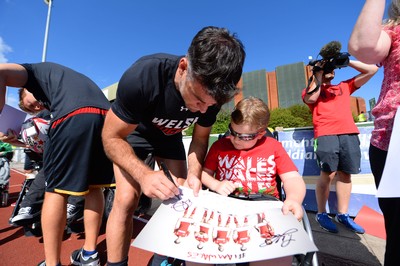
[74, 213]
[31, 175]
[23, 214]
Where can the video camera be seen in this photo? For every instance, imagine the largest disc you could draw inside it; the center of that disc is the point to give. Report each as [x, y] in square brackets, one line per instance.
[332, 58]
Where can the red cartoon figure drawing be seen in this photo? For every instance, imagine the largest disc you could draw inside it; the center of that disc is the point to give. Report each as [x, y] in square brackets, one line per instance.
[204, 228]
[241, 235]
[221, 233]
[183, 224]
[264, 228]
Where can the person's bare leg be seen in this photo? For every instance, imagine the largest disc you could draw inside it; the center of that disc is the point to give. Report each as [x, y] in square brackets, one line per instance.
[54, 215]
[120, 222]
[322, 190]
[343, 191]
[93, 214]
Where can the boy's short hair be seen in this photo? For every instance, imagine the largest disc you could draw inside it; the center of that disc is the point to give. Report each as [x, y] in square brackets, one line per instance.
[21, 94]
[251, 111]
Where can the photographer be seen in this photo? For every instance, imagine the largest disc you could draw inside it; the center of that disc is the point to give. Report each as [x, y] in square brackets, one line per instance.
[335, 133]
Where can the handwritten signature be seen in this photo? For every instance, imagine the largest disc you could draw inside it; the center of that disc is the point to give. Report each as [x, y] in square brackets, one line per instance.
[181, 205]
[284, 238]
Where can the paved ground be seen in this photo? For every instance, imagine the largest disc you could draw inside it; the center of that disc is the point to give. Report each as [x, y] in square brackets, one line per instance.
[18, 249]
[344, 248]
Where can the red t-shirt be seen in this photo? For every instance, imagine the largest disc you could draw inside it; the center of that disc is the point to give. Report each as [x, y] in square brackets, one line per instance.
[332, 111]
[254, 170]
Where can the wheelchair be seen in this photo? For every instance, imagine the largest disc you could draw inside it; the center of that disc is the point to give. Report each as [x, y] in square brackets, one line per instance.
[299, 259]
[32, 226]
[5, 177]
[37, 163]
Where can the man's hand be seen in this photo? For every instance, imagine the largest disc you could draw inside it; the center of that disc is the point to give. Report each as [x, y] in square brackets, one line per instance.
[156, 185]
[9, 137]
[194, 183]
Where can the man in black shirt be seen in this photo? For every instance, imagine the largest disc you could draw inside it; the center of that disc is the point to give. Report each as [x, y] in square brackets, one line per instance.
[158, 97]
[74, 162]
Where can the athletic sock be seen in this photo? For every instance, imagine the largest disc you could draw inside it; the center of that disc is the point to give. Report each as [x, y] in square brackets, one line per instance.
[121, 263]
[86, 254]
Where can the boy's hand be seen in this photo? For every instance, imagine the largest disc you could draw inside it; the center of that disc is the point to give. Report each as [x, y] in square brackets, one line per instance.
[8, 137]
[293, 207]
[225, 187]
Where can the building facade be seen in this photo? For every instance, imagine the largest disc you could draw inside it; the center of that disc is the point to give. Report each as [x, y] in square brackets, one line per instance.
[280, 88]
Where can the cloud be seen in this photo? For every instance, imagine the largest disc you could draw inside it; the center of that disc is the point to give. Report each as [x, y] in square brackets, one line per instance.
[4, 49]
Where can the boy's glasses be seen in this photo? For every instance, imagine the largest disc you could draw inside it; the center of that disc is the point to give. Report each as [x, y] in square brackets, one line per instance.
[245, 137]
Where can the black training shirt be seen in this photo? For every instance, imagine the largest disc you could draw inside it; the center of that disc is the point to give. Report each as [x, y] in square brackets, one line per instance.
[63, 90]
[147, 96]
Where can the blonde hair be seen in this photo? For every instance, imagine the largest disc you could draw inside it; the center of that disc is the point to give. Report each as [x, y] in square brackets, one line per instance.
[251, 111]
[394, 13]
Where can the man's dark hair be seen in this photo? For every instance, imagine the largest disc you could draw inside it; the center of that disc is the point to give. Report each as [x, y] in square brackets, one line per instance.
[216, 60]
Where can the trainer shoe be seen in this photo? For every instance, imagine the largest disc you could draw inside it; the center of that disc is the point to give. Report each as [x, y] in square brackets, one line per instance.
[31, 175]
[43, 263]
[74, 214]
[24, 216]
[349, 223]
[78, 259]
[325, 222]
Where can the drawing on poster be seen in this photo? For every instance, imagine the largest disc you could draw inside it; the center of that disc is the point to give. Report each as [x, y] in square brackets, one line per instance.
[214, 229]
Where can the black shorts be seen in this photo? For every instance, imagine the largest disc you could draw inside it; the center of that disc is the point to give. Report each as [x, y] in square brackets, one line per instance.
[168, 147]
[339, 153]
[74, 158]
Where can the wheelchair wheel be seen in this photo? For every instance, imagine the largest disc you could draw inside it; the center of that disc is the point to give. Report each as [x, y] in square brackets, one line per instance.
[21, 195]
[109, 199]
[4, 198]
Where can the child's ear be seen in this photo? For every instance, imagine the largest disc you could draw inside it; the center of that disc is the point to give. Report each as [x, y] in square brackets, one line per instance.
[261, 134]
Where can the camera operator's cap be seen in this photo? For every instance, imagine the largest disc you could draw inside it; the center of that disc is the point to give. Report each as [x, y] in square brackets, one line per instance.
[330, 49]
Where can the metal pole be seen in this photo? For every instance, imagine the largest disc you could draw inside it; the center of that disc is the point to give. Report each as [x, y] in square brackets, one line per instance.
[49, 3]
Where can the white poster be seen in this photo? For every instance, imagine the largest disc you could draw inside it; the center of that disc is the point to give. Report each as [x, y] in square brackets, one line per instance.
[11, 118]
[214, 229]
[390, 181]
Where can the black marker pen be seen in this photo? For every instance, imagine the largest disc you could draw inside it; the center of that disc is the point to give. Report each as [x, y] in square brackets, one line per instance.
[168, 175]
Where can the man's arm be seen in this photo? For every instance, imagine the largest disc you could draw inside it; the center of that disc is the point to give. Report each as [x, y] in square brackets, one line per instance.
[120, 152]
[368, 42]
[12, 139]
[197, 152]
[12, 75]
[366, 72]
[314, 89]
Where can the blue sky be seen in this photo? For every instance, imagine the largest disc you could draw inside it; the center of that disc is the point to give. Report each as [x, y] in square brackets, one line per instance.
[102, 38]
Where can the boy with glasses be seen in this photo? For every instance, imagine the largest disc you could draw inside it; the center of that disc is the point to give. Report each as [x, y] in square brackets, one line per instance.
[246, 162]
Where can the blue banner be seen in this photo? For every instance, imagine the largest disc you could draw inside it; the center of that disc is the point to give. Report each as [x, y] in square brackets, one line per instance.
[299, 144]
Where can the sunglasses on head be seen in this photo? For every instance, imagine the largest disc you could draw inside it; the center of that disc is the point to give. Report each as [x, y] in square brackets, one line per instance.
[244, 137]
